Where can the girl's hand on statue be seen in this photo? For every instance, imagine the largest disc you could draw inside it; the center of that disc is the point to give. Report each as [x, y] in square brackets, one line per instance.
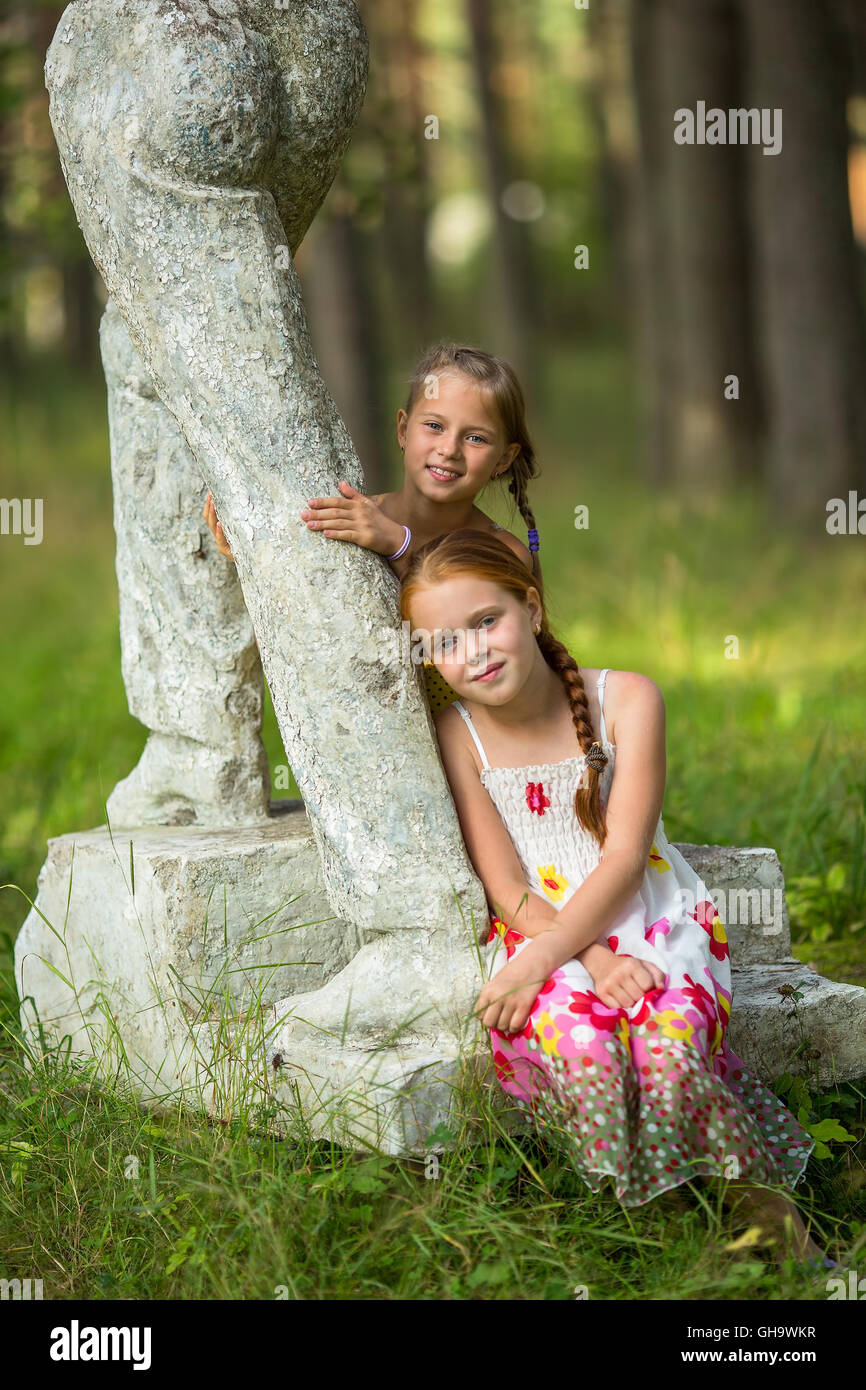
[352, 516]
[217, 532]
[623, 980]
[506, 1001]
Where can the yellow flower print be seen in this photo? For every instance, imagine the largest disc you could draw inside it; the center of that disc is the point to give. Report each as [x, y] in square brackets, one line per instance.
[624, 1031]
[673, 1025]
[548, 1034]
[552, 882]
[657, 861]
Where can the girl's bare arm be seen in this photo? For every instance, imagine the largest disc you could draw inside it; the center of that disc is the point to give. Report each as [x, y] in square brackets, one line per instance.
[633, 810]
[490, 846]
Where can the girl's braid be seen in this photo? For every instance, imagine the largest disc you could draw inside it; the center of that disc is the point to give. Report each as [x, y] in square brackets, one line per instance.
[587, 801]
[522, 469]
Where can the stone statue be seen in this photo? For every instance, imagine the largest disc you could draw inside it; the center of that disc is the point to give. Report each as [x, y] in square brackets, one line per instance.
[198, 138]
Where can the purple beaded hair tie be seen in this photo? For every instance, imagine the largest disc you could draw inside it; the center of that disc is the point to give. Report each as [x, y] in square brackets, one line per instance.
[533, 539]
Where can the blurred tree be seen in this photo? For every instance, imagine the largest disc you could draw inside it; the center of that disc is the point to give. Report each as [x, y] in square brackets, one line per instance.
[517, 289]
[694, 253]
[811, 308]
[613, 116]
[333, 264]
[365, 269]
[8, 98]
[15, 69]
[81, 310]
[407, 191]
[38, 224]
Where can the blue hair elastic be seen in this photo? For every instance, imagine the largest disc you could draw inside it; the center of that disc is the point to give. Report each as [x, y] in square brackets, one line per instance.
[533, 539]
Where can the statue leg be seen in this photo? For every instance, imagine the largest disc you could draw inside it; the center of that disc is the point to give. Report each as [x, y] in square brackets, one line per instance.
[197, 141]
[190, 659]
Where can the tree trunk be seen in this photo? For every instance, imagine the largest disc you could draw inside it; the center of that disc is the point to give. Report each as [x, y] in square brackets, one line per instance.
[694, 197]
[513, 261]
[811, 309]
[407, 184]
[80, 311]
[334, 271]
[655, 331]
[623, 43]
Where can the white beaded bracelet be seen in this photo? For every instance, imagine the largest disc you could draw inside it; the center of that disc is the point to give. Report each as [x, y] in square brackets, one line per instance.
[407, 540]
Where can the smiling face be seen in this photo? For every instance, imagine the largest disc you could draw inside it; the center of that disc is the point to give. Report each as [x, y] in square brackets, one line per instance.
[454, 443]
[482, 639]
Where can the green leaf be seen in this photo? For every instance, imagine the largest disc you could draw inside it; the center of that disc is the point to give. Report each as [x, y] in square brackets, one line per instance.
[366, 1183]
[830, 1129]
[440, 1135]
[181, 1250]
[496, 1273]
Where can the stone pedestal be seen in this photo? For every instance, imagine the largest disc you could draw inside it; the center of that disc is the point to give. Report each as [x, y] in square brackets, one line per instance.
[768, 1024]
[199, 956]
[203, 957]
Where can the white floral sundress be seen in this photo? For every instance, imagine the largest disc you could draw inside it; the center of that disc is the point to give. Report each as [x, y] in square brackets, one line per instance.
[649, 1096]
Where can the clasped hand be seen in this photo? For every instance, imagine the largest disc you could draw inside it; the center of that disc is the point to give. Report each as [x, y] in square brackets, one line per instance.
[507, 1000]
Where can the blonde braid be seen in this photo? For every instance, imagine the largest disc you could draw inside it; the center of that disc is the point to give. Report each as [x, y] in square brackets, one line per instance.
[522, 469]
[587, 800]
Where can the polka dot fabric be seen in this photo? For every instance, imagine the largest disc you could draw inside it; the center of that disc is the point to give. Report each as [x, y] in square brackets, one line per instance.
[439, 692]
[650, 1100]
[650, 1096]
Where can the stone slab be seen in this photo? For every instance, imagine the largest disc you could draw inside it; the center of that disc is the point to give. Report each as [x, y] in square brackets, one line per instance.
[211, 962]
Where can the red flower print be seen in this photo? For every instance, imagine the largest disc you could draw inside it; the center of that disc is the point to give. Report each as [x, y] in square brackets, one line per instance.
[503, 1065]
[704, 913]
[701, 998]
[535, 798]
[709, 919]
[647, 1003]
[511, 938]
[600, 1016]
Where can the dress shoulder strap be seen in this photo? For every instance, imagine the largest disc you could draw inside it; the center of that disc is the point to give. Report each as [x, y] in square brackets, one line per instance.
[600, 687]
[467, 719]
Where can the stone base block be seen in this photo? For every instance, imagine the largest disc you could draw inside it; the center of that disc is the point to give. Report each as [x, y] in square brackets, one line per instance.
[208, 964]
[820, 1033]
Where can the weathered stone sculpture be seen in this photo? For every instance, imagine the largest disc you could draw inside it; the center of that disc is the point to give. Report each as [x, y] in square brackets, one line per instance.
[198, 138]
[190, 660]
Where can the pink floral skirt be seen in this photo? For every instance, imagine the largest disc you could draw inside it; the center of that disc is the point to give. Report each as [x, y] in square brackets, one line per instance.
[649, 1097]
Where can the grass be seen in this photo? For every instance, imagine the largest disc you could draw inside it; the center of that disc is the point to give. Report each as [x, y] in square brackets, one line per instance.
[104, 1201]
[764, 748]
